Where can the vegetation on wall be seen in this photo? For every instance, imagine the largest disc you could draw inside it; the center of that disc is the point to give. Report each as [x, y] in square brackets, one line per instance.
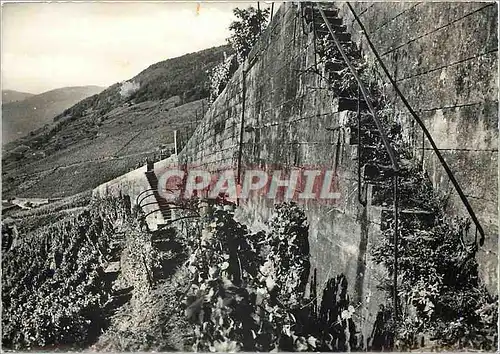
[185, 76]
[440, 293]
[248, 289]
[245, 31]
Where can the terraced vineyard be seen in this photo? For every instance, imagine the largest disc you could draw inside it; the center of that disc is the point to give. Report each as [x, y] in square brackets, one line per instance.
[124, 139]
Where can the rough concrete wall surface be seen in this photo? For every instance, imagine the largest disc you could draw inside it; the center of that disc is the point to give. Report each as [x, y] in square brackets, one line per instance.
[444, 57]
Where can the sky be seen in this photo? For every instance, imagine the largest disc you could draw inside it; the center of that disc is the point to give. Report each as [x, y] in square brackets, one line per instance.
[52, 45]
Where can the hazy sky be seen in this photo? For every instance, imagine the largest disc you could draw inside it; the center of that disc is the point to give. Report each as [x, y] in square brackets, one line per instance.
[51, 45]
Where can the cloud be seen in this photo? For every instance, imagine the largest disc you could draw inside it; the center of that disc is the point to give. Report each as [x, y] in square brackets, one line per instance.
[49, 45]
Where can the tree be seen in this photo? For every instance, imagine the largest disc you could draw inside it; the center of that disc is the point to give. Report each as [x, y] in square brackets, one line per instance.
[246, 30]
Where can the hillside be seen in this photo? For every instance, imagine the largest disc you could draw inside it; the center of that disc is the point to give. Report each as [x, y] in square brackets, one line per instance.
[109, 134]
[23, 116]
[13, 96]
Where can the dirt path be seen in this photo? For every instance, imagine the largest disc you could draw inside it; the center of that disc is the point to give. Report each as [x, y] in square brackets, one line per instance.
[155, 323]
[152, 319]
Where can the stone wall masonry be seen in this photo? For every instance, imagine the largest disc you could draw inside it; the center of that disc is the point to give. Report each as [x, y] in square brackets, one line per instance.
[133, 184]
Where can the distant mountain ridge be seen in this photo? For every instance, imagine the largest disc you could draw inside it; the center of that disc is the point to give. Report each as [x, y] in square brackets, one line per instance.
[13, 96]
[21, 117]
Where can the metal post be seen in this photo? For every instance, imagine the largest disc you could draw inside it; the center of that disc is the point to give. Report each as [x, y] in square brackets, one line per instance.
[396, 221]
[360, 198]
[175, 142]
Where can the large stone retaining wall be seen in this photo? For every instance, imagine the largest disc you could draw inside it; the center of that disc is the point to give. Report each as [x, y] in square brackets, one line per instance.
[136, 185]
[287, 110]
